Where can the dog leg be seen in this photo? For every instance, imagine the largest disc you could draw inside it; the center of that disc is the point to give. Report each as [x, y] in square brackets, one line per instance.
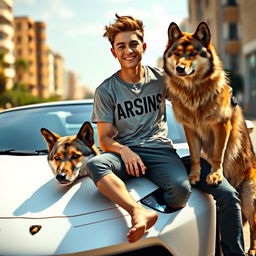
[195, 145]
[221, 134]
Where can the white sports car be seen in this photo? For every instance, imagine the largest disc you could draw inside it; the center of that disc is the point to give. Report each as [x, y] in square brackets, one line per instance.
[38, 216]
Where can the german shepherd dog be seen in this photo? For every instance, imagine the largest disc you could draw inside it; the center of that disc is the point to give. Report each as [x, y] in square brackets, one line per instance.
[68, 156]
[214, 125]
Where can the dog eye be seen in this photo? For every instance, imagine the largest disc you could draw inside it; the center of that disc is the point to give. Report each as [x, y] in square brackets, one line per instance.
[178, 54]
[192, 54]
[75, 156]
[57, 158]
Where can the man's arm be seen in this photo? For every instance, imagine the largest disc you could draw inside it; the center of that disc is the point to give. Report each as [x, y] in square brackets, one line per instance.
[133, 163]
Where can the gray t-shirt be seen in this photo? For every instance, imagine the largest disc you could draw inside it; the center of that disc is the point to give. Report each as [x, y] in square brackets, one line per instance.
[133, 109]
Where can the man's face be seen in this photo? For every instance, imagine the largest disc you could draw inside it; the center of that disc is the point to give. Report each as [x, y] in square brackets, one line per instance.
[128, 49]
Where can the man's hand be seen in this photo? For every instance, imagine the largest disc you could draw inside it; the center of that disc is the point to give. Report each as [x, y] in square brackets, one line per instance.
[133, 163]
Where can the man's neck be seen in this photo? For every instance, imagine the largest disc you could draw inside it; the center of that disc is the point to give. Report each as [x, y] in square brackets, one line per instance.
[133, 75]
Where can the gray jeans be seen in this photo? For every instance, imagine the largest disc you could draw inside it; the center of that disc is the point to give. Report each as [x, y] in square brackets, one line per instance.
[164, 168]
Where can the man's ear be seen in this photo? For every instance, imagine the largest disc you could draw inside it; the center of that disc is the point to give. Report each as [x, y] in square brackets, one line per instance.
[113, 52]
[144, 47]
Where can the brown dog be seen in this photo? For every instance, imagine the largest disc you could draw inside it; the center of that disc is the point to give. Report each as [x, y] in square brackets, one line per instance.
[214, 125]
[68, 155]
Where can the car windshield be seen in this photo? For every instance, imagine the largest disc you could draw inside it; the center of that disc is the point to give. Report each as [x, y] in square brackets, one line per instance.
[20, 129]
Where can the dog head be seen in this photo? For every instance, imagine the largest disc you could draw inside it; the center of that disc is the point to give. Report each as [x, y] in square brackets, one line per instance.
[67, 156]
[188, 56]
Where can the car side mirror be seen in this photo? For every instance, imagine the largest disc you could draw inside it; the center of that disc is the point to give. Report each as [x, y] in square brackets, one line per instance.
[249, 125]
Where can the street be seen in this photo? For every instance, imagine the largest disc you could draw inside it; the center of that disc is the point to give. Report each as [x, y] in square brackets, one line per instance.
[246, 227]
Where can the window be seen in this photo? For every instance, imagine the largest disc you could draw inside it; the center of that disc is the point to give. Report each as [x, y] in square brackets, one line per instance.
[234, 63]
[231, 2]
[233, 31]
[19, 26]
[19, 39]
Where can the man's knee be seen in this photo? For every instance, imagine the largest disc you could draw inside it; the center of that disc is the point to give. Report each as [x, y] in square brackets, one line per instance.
[178, 195]
[97, 169]
[228, 198]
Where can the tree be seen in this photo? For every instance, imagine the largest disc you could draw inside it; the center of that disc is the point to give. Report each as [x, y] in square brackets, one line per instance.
[21, 67]
[2, 75]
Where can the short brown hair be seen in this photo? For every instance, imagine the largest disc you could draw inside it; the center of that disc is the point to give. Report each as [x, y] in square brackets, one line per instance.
[124, 24]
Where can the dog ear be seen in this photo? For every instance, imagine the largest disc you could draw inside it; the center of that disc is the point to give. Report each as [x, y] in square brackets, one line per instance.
[86, 134]
[50, 137]
[203, 34]
[174, 33]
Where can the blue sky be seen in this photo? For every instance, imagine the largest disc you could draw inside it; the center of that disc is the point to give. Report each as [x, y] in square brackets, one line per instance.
[75, 28]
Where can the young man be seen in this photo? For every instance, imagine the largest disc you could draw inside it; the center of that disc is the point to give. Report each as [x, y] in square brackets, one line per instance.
[132, 133]
[132, 130]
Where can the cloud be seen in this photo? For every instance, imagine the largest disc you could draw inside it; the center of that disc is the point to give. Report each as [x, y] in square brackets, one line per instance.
[57, 9]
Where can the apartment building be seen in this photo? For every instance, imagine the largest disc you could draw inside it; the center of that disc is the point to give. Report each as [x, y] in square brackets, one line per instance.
[6, 42]
[223, 18]
[248, 37]
[234, 37]
[25, 52]
[42, 59]
[59, 75]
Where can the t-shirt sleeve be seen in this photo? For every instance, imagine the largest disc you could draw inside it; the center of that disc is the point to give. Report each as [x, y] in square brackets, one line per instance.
[103, 107]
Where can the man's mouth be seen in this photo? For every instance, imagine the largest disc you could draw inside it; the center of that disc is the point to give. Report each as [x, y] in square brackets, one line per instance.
[129, 58]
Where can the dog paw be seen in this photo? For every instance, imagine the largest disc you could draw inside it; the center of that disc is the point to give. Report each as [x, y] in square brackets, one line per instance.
[193, 178]
[252, 252]
[214, 178]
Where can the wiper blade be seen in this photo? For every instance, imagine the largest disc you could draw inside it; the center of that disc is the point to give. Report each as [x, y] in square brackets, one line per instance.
[22, 152]
[6, 150]
[44, 151]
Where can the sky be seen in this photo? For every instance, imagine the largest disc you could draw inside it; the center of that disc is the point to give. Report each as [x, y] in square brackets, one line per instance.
[74, 28]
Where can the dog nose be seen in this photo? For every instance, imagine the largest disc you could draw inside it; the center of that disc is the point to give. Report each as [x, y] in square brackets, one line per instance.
[61, 177]
[180, 69]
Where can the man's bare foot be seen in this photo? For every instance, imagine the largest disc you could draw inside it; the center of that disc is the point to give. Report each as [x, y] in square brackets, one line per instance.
[142, 220]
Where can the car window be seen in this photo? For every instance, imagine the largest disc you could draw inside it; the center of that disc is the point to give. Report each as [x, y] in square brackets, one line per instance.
[20, 129]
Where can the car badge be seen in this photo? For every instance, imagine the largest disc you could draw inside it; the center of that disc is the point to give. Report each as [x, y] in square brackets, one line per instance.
[34, 229]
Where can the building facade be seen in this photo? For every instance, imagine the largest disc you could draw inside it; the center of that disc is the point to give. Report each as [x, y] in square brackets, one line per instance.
[248, 36]
[223, 19]
[25, 53]
[6, 43]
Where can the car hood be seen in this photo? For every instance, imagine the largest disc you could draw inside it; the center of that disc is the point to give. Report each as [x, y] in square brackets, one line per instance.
[29, 189]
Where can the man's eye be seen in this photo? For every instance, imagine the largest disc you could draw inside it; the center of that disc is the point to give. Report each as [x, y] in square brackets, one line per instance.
[134, 44]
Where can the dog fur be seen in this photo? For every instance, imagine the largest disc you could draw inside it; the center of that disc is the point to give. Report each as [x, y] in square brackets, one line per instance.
[214, 125]
[68, 156]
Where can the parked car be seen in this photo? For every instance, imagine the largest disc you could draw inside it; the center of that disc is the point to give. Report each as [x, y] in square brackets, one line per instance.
[38, 216]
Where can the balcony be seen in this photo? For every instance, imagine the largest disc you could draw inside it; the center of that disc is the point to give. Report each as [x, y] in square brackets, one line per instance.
[7, 45]
[9, 72]
[233, 47]
[9, 58]
[231, 14]
[5, 16]
[9, 3]
[7, 29]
